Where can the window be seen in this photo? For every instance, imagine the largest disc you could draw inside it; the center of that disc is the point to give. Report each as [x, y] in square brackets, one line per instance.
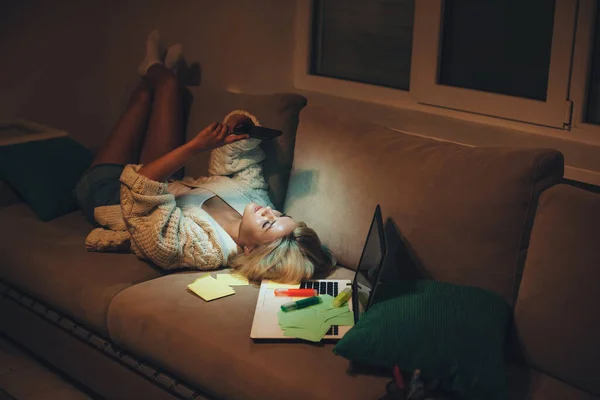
[585, 78]
[592, 114]
[504, 58]
[534, 61]
[490, 46]
[355, 48]
[360, 41]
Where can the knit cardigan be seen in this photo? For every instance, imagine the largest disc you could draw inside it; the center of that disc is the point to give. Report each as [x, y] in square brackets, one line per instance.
[156, 227]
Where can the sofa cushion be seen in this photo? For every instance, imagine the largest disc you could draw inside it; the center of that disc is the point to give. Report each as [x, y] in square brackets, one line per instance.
[45, 172]
[278, 111]
[464, 212]
[49, 262]
[526, 383]
[208, 345]
[450, 332]
[556, 314]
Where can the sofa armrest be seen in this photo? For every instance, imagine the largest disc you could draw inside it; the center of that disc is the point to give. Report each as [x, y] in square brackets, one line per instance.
[556, 313]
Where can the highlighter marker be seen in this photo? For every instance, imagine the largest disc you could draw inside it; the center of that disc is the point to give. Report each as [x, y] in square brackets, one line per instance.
[363, 299]
[296, 292]
[342, 298]
[296, 305]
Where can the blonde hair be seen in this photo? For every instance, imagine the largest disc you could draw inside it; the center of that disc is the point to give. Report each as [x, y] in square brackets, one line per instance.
[289, 259]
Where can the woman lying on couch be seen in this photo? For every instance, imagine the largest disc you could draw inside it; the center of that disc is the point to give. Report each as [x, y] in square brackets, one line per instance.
[226, 219]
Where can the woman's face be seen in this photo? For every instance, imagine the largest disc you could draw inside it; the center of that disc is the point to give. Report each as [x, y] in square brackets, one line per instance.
[262, 225]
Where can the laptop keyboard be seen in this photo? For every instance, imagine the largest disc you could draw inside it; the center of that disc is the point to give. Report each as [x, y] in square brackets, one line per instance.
[323, 287]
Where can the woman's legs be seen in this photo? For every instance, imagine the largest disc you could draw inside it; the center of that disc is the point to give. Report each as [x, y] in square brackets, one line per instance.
[151, 126]
[153, 123]
[165, 127]
[156, 115]
[124, 142]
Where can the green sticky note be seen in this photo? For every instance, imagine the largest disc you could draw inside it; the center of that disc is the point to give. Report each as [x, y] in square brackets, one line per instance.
[304, 318]
[325, 303]
[313, 335]
[345, 319]
[312, 323]
[329, 314]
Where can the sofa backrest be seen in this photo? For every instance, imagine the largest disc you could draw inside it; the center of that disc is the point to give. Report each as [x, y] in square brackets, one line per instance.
[556, 315]
[465, 213]
[277, 111]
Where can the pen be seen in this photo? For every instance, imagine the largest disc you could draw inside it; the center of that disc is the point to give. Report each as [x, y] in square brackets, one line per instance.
[296, 292]
[296, 305]
[398, 377]
[417, 388]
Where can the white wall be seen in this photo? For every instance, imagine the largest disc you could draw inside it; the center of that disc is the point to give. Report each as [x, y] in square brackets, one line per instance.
[71, 65]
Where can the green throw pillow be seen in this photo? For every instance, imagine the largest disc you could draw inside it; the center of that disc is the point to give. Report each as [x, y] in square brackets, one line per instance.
[44, 173]
[451, 332]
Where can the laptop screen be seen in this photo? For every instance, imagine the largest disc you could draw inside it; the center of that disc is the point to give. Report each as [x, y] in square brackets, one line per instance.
[369, 266]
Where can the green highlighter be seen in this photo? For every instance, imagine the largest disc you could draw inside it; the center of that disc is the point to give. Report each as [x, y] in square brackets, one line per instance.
[296, 305]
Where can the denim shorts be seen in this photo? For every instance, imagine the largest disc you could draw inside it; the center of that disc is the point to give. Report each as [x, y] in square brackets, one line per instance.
[99, 186]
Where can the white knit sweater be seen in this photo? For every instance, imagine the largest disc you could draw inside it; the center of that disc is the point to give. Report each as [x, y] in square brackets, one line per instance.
[156, 227]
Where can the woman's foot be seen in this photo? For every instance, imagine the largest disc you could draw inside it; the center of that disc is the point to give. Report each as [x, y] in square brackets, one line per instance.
[174, 57]
[154, 52]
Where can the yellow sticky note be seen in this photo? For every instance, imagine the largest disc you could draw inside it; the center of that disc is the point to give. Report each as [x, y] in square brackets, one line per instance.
[232, 280]
[277, 285]
[209, 288]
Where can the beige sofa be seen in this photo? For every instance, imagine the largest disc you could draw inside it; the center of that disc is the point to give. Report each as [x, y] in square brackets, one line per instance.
[496, 218]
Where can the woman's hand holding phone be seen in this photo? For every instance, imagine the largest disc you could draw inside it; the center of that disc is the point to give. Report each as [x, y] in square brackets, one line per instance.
[214, 136]
[241, 124]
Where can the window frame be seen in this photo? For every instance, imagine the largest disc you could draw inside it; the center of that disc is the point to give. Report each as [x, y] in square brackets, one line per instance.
[578, 130]
[303, 79]
[582, 65]
[427, 90]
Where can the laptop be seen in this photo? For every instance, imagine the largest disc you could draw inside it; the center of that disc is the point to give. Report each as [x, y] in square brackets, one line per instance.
[364, 285]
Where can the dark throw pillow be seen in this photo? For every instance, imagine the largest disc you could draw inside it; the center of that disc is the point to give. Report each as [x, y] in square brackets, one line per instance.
[450, 332]
[44, 173]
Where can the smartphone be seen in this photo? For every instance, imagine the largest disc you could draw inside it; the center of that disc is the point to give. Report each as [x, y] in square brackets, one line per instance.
[258, 132]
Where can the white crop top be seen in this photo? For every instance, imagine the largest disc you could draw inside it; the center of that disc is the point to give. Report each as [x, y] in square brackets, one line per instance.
[185, 195]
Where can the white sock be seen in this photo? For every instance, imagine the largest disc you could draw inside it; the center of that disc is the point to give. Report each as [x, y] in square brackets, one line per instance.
[154, 52]
[174, 56]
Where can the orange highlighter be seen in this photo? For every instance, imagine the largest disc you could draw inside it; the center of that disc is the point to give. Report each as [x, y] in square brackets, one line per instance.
[296, 292]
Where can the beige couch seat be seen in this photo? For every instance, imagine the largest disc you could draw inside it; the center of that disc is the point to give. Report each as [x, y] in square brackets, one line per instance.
[208, 344]
[526, 383]
[48, 261]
